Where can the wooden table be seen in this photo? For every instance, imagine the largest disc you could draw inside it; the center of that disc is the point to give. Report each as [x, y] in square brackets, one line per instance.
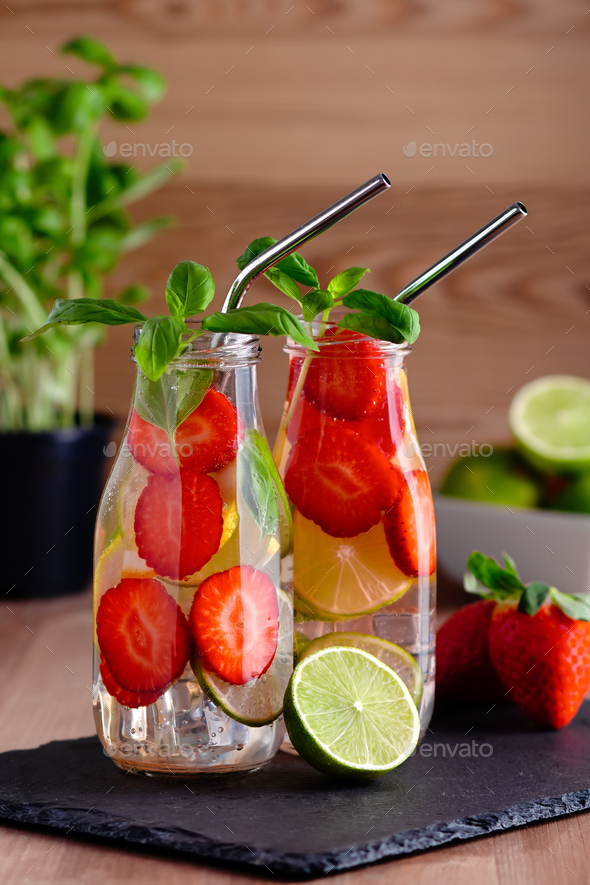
[45, 678]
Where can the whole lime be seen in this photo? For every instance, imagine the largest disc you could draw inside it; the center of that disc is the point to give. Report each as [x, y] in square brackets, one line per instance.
[499, 478]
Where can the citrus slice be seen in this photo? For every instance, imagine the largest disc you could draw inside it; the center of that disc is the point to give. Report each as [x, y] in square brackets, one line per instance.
[388, 653]
[337, 578]
[115, 563]
[349, 714]
[550, 418]
[259, 701]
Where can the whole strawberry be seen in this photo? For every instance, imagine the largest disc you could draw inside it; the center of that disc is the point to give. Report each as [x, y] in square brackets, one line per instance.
[464, 673]
[538, 641]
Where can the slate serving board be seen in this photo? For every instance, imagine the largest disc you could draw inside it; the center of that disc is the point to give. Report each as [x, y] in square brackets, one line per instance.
[292, 821]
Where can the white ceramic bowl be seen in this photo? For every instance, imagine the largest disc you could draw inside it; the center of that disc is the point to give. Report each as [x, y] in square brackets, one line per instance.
[546, 545]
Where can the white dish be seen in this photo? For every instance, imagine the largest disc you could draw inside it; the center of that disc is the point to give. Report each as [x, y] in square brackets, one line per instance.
[546, 546]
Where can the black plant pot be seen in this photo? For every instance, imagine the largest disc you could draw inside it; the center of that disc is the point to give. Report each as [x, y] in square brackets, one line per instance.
[50, 489]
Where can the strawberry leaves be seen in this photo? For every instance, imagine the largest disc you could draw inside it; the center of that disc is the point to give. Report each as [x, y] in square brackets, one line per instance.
[488, 579]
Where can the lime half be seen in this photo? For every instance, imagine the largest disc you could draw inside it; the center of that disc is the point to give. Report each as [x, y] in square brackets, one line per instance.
[388, 653]
[349, 714]
[550, 418]
[259, 701]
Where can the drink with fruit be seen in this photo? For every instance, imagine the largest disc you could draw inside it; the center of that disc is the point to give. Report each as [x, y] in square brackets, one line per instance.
[363, 565]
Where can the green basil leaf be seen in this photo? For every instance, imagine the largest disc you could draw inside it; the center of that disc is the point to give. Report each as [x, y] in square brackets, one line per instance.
[190, 289]
[346, 281]
[294, 265]
[260, 442]
[574, 605]
[487, 571]
[533, 597]
[134, 295]
[400, 316]
[260, 319]
[160, 341]
[92, 51]
[124, 104]
[150, 83]
[75, 107]
[257, 486]
[375, 327]
[284, 283]
[168, 401]
[89, 310]
[315, 302]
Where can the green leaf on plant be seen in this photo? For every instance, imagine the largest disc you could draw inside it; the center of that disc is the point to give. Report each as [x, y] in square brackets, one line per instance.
[487, 571]
[150, 83]
[574, 605]
[284, 283]
[125, 104]
[134, 295]
[89, 310]
[257, 485]
[167, 403]
[375, 327]
[190, 289]
[533, 597]
[510, 565]
[76, 107]
[159, 342]
[294, 265]
[345, 282]
[404, 319]
[92, 51]
[260, 319]
[316, 302]
[472, 585]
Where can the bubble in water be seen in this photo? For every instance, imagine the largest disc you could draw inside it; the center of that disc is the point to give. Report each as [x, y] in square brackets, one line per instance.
[239, 747]
[220, 729]
[132, 731]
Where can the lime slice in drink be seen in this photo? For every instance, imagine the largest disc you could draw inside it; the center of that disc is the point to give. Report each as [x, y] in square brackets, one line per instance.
[337, 578]
[259, 701]
[388, 653]
[349, 714]
[550, 418]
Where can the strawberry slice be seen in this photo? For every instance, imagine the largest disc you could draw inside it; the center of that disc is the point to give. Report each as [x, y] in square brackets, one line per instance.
[142, 634]
[130, 699]
[208, 439]
[150, 446]
[409, 527]
[340, 481]
[178, 523]
[348, 380]
[234, 622]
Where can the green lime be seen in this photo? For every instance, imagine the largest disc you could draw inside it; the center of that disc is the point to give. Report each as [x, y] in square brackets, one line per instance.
[259, 701]
[550, 419]
[576, 498]
[388, 653]
[300, 643]
[500, 478]
[349, 714]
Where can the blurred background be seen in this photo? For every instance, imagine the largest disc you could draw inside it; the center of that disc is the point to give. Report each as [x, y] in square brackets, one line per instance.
[283, 107]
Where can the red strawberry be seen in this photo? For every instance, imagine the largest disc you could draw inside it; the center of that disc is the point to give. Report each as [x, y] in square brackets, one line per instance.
[340, 481]
[150, 446]
[142, 634]
[208, 439]
[543, 661]
[178, 523]
[348, 380]
[464, 672]
[234, 622]
[131, 699]
[409, 527]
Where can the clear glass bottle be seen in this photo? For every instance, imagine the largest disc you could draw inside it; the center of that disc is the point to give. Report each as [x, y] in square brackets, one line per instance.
[192, 633]
[363, 567]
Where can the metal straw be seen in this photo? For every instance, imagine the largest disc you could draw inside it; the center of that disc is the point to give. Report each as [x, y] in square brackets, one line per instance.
[298, 237]
[472, 245]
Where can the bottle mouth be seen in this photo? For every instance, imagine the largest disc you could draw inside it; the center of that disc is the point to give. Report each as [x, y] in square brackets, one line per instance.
[337, 343]
[206, 350]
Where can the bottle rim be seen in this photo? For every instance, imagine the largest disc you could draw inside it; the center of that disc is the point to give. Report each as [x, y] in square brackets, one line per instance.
[233, 350]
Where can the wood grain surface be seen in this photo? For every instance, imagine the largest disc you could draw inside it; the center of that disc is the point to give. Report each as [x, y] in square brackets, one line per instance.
[286, 106]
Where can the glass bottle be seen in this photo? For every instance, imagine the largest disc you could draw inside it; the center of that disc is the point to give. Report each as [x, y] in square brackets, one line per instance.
[363, 565]
[192, 633]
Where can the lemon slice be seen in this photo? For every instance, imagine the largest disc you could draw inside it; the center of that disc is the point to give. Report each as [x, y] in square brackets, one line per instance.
[336, 578]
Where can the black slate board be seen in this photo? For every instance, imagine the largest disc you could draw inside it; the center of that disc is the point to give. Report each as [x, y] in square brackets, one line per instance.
[296, 823]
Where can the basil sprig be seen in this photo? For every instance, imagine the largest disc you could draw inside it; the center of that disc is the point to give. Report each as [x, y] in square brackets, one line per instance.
[189, 291]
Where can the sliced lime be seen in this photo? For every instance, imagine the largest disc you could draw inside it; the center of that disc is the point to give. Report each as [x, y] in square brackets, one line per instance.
[388, 653]
[300, 643]
[259, 701]
[349, 714]
[550, 418]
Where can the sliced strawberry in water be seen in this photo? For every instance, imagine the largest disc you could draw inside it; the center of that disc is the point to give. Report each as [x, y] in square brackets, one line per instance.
[409, 527]
[208, 439]
[150, 446]
[348, 380]
[234, 622]
[178, 523]
[131, 699]
[142, 634]
[340, 481]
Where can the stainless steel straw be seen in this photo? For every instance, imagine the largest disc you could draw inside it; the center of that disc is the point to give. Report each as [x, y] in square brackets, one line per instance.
[298, 237]
[472, 245]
